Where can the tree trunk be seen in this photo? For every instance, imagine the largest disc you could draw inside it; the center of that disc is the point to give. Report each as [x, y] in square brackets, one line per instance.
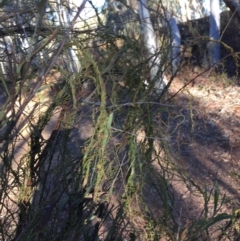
[214, 45]
[176, 43]
[150, 42]
[64, 16]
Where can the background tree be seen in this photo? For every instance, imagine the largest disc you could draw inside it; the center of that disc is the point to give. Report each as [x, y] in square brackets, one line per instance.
[214, 45]
[150, 41]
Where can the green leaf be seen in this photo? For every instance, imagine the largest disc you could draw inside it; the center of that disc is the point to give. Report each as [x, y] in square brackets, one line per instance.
[107, 131]
[93, 217]
[217, 219]
[205, 224]
[216, 198]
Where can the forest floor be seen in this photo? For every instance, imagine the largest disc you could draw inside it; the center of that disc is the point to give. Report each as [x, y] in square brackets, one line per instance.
[204, 131]
[202, 126]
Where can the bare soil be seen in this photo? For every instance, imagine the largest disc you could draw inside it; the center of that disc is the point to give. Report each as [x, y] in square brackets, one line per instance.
[204, 137]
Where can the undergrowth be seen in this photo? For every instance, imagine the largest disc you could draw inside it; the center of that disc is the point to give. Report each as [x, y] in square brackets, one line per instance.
[115, 182]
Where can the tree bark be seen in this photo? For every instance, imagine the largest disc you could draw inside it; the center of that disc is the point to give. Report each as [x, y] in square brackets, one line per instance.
[150, 42]
[176, 42]
[214, 45]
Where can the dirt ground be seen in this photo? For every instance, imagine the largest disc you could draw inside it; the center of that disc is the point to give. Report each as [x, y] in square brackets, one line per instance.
[204, 137]
[202, 126]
